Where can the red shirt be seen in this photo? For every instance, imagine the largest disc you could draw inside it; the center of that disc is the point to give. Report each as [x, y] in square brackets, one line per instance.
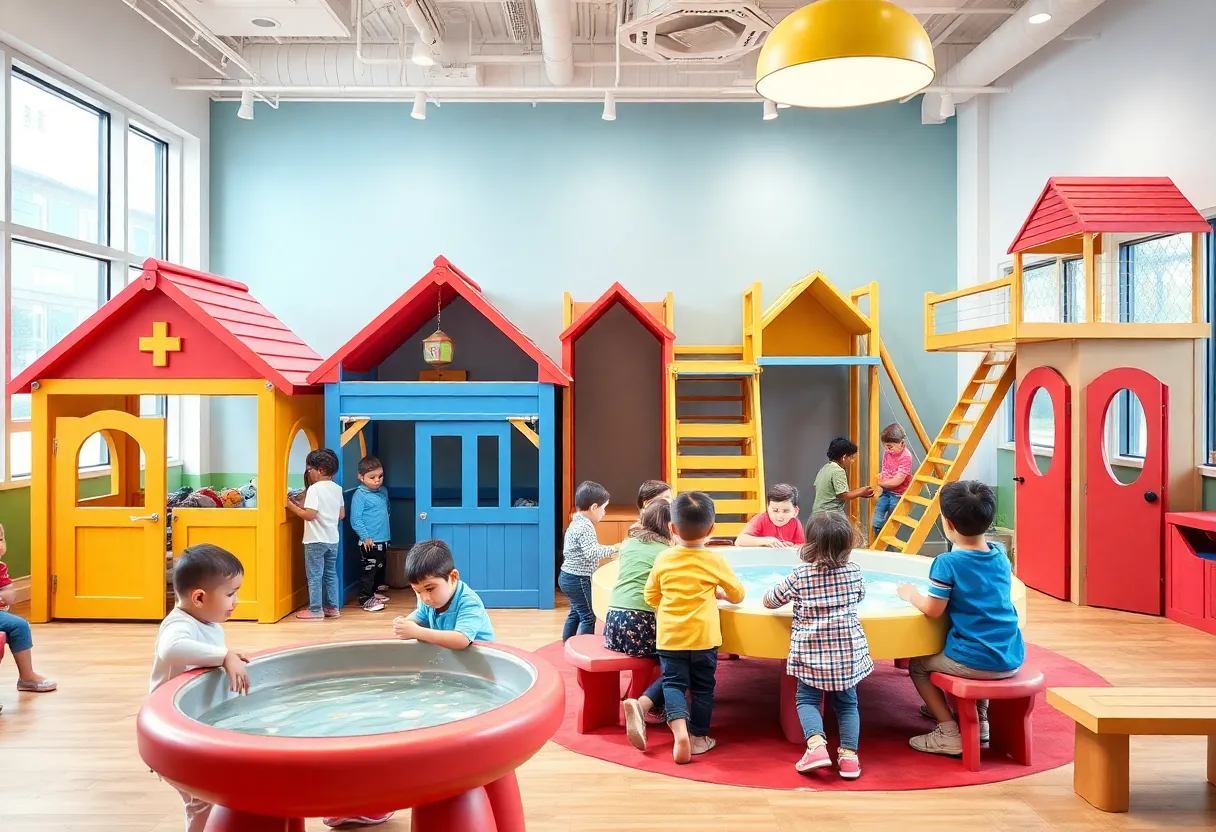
[895, 464]
[5, 580]
[762, 526]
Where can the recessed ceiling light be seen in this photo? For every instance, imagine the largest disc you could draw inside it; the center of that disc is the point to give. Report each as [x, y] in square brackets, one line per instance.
[265, 23]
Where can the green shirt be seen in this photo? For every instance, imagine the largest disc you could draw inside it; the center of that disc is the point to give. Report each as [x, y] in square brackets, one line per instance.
[830, 482]
[637, 559]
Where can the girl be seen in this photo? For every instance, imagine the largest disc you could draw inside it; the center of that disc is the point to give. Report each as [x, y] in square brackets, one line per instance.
[648, 492]
[629, 625]
[828, 649]
[17, 631]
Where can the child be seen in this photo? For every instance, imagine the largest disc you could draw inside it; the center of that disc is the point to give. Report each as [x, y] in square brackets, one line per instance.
[832, 483]
[17, 631]
[971, 584]
[369, 511]
[648, 492]
[684, 587]
[895, 475]
[828, 648]
[581, 554]
[206, 580]
[323, 509]
[629, 627]
[777, 527]
[450, 614]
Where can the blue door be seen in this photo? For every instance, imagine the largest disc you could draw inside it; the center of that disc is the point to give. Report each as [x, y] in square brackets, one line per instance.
[464, 495]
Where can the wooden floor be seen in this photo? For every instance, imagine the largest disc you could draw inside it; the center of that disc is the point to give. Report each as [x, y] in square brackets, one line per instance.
[68, 760]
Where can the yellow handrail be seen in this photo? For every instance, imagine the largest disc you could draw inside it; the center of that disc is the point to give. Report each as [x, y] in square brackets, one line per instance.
[978, 289]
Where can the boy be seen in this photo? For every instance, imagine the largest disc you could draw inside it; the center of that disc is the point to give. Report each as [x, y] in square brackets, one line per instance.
[450, 614]
[777, 527]
[206, 580]
[971, 583]
[832, 483]
[683, 588]
[323, 509]
[895, 474]
[581, 555]
[369, 512]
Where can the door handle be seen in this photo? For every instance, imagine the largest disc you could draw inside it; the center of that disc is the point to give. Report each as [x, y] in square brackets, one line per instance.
[422, 516]
[154, 517]
[1150, 496]
[1019, 480]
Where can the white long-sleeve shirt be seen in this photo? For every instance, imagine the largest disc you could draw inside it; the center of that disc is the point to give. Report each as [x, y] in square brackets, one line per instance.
[582, 550]
[184, 643]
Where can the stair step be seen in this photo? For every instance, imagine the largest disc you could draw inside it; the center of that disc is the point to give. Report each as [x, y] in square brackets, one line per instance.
[727, 369]
[891, 540]
[710, 417]
[746, 430]
[748, 507]
[976, 401]
[961, 422]
[919, 500]
[928, 479]
[709, 398]
[948, 440]
[904, 520]
[937, 460]
[714, 349]
[728, 529]
[713, 443]
[717, 462]
[719, 485]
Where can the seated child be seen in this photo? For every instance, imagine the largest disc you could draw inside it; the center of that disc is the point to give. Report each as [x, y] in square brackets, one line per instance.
[894, 476]
[683, 588]
[629, 626]
[449, 614]
[832, 483]
[17, 631]
[777, 527]
[322, 510]
[971, 584]
[369, 512]
[581, 555]
[206, 580]
[648, 492]
[828, 648]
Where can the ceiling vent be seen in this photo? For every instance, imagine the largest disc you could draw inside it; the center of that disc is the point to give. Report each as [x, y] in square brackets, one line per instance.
[693, 31]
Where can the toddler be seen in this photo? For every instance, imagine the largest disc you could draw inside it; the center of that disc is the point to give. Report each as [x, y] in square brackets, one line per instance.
[683, 588]
[629, 626]
[369, 512]
[449, 614]
[894, 476]
[828, 649]
[18, 634]
[832, 483]
[778, 526]
[971, 584]
[648, 492]
[322, 510]
[581, 554]
[206, 580]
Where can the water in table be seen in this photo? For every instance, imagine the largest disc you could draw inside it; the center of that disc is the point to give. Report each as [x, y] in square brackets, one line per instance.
[358, 705]
[880, 587]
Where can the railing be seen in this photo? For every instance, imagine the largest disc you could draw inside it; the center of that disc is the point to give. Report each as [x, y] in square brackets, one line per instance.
[981, 312]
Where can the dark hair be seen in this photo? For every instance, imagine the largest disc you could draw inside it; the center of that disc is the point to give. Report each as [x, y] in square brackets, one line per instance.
[654, 526]
[830, 537]
[969, 505]
[650, 489]
[204, 566]
[781, 493]
[323, 461]
[369, 464]
[428, 559]
[893, 432]
[840, 447]
[693, 515]
[589, 494]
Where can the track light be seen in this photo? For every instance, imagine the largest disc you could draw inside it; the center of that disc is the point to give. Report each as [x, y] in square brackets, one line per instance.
[947, 106]
[1039, 12]
[784, 106]
[770, 110]
[422, 54]
[419, 111]
[245, 111]
[609, 106]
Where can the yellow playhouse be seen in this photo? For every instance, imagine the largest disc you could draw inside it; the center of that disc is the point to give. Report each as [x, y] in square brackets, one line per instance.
[172, 332]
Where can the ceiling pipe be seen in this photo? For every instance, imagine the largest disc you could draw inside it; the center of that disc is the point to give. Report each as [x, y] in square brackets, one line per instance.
[189, 47]
[556, 40]
[1015, 41]
[364, 59]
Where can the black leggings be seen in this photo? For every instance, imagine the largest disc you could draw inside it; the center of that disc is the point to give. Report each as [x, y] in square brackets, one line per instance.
[373, 569]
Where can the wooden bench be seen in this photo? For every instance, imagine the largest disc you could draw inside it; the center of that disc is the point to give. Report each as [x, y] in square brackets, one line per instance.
[599, 675]
[1010, 705]
[1105, 719]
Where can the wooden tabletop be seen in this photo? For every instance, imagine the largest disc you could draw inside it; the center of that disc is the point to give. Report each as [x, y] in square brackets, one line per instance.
[1139, 711]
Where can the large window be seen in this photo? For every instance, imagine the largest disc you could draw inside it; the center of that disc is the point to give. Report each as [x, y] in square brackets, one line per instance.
[88, 203]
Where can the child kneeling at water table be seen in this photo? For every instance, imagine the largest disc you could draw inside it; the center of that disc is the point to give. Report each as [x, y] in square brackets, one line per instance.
[832, 481]
[778, 526]
[449, 614]
[971, 584]
[828, 648]
[684, 587]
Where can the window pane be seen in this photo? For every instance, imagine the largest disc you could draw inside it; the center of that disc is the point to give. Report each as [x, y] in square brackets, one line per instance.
[152, 405]
[1041, 293]
[1155, 283]
[145, 195]
[1074, 283]
[58, 173]
[19, 454]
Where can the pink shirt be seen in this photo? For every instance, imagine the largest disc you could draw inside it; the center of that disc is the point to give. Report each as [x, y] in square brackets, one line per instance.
[895, 464]
[762, 526]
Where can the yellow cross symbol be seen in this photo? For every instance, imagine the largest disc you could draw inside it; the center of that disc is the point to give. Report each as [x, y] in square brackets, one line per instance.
[160, 344]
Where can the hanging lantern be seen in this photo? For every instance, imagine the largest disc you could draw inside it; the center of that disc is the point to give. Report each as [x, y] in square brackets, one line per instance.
[437, 347]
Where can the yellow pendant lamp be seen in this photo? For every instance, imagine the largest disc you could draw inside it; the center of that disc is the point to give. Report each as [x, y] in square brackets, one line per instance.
[845, 53]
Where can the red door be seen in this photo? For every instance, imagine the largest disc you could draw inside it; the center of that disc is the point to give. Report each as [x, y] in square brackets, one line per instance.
[1125, 524]
[1043, 517]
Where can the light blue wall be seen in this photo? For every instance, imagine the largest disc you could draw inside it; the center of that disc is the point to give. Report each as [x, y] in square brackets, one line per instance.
[330, 211]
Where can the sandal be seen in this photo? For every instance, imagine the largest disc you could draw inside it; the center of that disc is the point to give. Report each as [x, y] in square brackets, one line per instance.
[45, 686]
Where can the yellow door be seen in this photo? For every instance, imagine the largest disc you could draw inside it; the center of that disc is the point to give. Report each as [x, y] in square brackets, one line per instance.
[108, 549]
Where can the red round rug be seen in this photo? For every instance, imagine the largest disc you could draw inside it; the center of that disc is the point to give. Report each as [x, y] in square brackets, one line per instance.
[753, 752]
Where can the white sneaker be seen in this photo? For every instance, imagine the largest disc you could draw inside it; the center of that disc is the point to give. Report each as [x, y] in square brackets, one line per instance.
[944, 739]
[984, 732]
[373, 604]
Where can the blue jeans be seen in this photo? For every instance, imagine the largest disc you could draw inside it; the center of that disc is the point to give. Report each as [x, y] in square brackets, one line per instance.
[581, 619]
[321, 567]
[883, 506]
[684, 671]
[844, 705]
[17, 631]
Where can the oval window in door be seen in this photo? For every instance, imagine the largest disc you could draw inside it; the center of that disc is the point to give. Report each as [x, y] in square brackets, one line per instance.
[1126, 437]
[1042, 430]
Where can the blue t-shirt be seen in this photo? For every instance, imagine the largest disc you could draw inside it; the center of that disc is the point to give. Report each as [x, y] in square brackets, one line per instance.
[465, 614]
[984, 632]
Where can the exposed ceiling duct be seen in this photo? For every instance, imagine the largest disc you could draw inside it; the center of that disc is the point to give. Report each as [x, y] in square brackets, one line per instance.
[694, 31]
[556, 40]
[1015, 41]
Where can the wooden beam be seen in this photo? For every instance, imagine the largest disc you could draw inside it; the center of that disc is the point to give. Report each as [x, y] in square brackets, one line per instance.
[524, 428]
[355, 428]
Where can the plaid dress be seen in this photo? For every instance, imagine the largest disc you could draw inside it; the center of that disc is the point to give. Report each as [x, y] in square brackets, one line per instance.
[828, 649]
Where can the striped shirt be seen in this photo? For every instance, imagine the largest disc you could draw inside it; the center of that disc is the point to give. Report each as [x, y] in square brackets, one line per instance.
[582, 550]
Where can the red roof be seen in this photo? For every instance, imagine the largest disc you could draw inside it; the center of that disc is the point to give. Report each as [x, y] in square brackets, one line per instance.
[1093, 204]
[617, 294]
[380, 338]
[227, 333]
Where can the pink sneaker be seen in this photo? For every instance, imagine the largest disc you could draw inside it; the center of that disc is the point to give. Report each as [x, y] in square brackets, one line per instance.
[363, 820]
[849, 766]
[813, 758]
[332, 612]
[309, 615]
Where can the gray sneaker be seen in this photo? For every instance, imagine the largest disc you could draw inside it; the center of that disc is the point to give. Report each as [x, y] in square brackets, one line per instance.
[939, 741]
[924, 711]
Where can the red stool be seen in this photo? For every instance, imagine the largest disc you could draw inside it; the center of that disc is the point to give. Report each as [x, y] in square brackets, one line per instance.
[3, 641]
[1011, 702]
[599, 675]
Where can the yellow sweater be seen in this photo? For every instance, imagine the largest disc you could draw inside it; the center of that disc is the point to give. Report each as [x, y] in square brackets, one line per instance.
[681, 588]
